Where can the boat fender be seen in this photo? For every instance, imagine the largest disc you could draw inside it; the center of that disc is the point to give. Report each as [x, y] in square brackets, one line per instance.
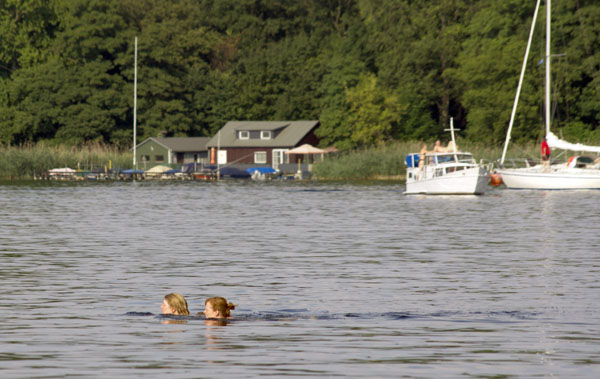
[495, 179]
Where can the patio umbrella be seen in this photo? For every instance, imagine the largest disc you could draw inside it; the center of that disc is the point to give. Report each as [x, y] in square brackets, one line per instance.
[306, 149]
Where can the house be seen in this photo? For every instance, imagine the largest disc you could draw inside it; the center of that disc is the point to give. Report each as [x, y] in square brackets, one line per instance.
[171, 151]
[261, 143]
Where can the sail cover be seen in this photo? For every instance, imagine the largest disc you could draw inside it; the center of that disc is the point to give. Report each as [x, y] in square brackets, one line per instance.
[557, 143]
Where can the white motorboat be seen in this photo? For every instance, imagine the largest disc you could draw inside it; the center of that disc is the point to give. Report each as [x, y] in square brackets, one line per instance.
[578, 173]
[445, 173]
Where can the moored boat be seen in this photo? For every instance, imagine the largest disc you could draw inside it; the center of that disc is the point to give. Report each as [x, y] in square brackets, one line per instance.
[555, 177]
[445, 174]
[580, 172]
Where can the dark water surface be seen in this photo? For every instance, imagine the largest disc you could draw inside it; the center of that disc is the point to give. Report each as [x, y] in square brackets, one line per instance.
[329, 279]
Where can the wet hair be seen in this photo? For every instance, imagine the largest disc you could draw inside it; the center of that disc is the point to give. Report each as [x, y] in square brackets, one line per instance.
[178, 303]
[220, 304]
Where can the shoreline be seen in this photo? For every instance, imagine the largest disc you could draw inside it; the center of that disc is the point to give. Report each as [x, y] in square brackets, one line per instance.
[374, 178]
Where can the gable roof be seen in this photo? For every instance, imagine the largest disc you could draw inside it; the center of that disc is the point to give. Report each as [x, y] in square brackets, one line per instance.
[260, 125]
[291, 133]
[181, 144]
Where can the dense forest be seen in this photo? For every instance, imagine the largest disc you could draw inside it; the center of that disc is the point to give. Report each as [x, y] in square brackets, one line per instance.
[372, 71]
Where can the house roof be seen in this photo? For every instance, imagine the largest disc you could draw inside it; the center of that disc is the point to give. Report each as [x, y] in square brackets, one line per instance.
[181, 144]
[291, 133]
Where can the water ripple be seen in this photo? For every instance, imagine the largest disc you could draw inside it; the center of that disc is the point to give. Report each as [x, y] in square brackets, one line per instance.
[330, 280]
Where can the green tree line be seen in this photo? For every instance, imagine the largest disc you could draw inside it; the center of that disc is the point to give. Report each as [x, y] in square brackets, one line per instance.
[373, 71]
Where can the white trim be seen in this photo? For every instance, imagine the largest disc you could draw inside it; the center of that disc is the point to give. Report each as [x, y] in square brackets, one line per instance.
[279, 157]
[263, 153]
[243, 134]
[265, 134]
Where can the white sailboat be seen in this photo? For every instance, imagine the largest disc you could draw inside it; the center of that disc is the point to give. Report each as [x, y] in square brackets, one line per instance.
[447, 173]
[579, 172]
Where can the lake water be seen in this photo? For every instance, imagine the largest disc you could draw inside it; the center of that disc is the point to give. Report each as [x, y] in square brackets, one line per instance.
[354, 280]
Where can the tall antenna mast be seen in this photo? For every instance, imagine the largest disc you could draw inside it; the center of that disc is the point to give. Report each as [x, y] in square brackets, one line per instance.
[548, 6]
[135, 111]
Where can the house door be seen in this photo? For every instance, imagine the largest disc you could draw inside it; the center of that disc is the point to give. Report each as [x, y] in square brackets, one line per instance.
[279, 157]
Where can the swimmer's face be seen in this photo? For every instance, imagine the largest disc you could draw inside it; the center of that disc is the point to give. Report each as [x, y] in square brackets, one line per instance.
[166, 308]
[209, 312]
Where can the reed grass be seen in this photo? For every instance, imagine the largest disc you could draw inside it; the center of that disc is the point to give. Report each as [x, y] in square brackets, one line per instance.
[32, 160]
[387, 161]
[374, 163]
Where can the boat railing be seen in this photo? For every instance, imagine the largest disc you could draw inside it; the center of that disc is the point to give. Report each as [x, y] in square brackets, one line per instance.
[466, 161]
[518, 163]
[487, 164]
[526, 163]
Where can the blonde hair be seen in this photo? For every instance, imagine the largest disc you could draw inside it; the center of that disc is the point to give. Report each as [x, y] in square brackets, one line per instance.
[178, 303]
[220, 304]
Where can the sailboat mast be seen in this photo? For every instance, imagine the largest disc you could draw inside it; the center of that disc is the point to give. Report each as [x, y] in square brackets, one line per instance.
[548, 6]
[514, 110]
[134, 110]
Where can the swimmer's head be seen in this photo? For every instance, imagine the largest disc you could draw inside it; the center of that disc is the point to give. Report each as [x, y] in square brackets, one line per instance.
[174, 304]
[218, 307]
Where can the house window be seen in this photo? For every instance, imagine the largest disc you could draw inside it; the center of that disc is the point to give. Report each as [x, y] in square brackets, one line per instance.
[145, 158]
[244, 134]
[159, 158]
[265, 134]
[260, 157]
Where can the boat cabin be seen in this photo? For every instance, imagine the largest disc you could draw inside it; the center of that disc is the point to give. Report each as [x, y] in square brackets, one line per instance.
[440, 158]
[439, 164]
[445, 163]
[582, 161]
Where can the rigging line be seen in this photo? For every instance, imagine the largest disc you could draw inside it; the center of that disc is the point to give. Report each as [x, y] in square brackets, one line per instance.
[237, 160]
[514, 110]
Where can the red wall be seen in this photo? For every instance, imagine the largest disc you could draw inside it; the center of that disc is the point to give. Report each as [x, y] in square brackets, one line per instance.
[246, 154]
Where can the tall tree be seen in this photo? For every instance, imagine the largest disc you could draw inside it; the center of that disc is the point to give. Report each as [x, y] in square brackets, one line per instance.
[417, 42]
[490, 63]
[576, 71]
[373, 113]
[175, 52]
[26, 31]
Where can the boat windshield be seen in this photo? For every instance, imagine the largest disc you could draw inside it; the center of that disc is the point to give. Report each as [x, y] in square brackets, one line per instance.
[450, 158]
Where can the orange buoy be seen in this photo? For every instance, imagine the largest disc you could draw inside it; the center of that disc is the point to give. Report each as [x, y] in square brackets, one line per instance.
[495, 179]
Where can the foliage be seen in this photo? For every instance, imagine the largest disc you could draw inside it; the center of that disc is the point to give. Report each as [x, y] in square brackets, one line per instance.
[30, 161]
[372, 113]
[371, 71]
[366, 163]
[387, 161]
